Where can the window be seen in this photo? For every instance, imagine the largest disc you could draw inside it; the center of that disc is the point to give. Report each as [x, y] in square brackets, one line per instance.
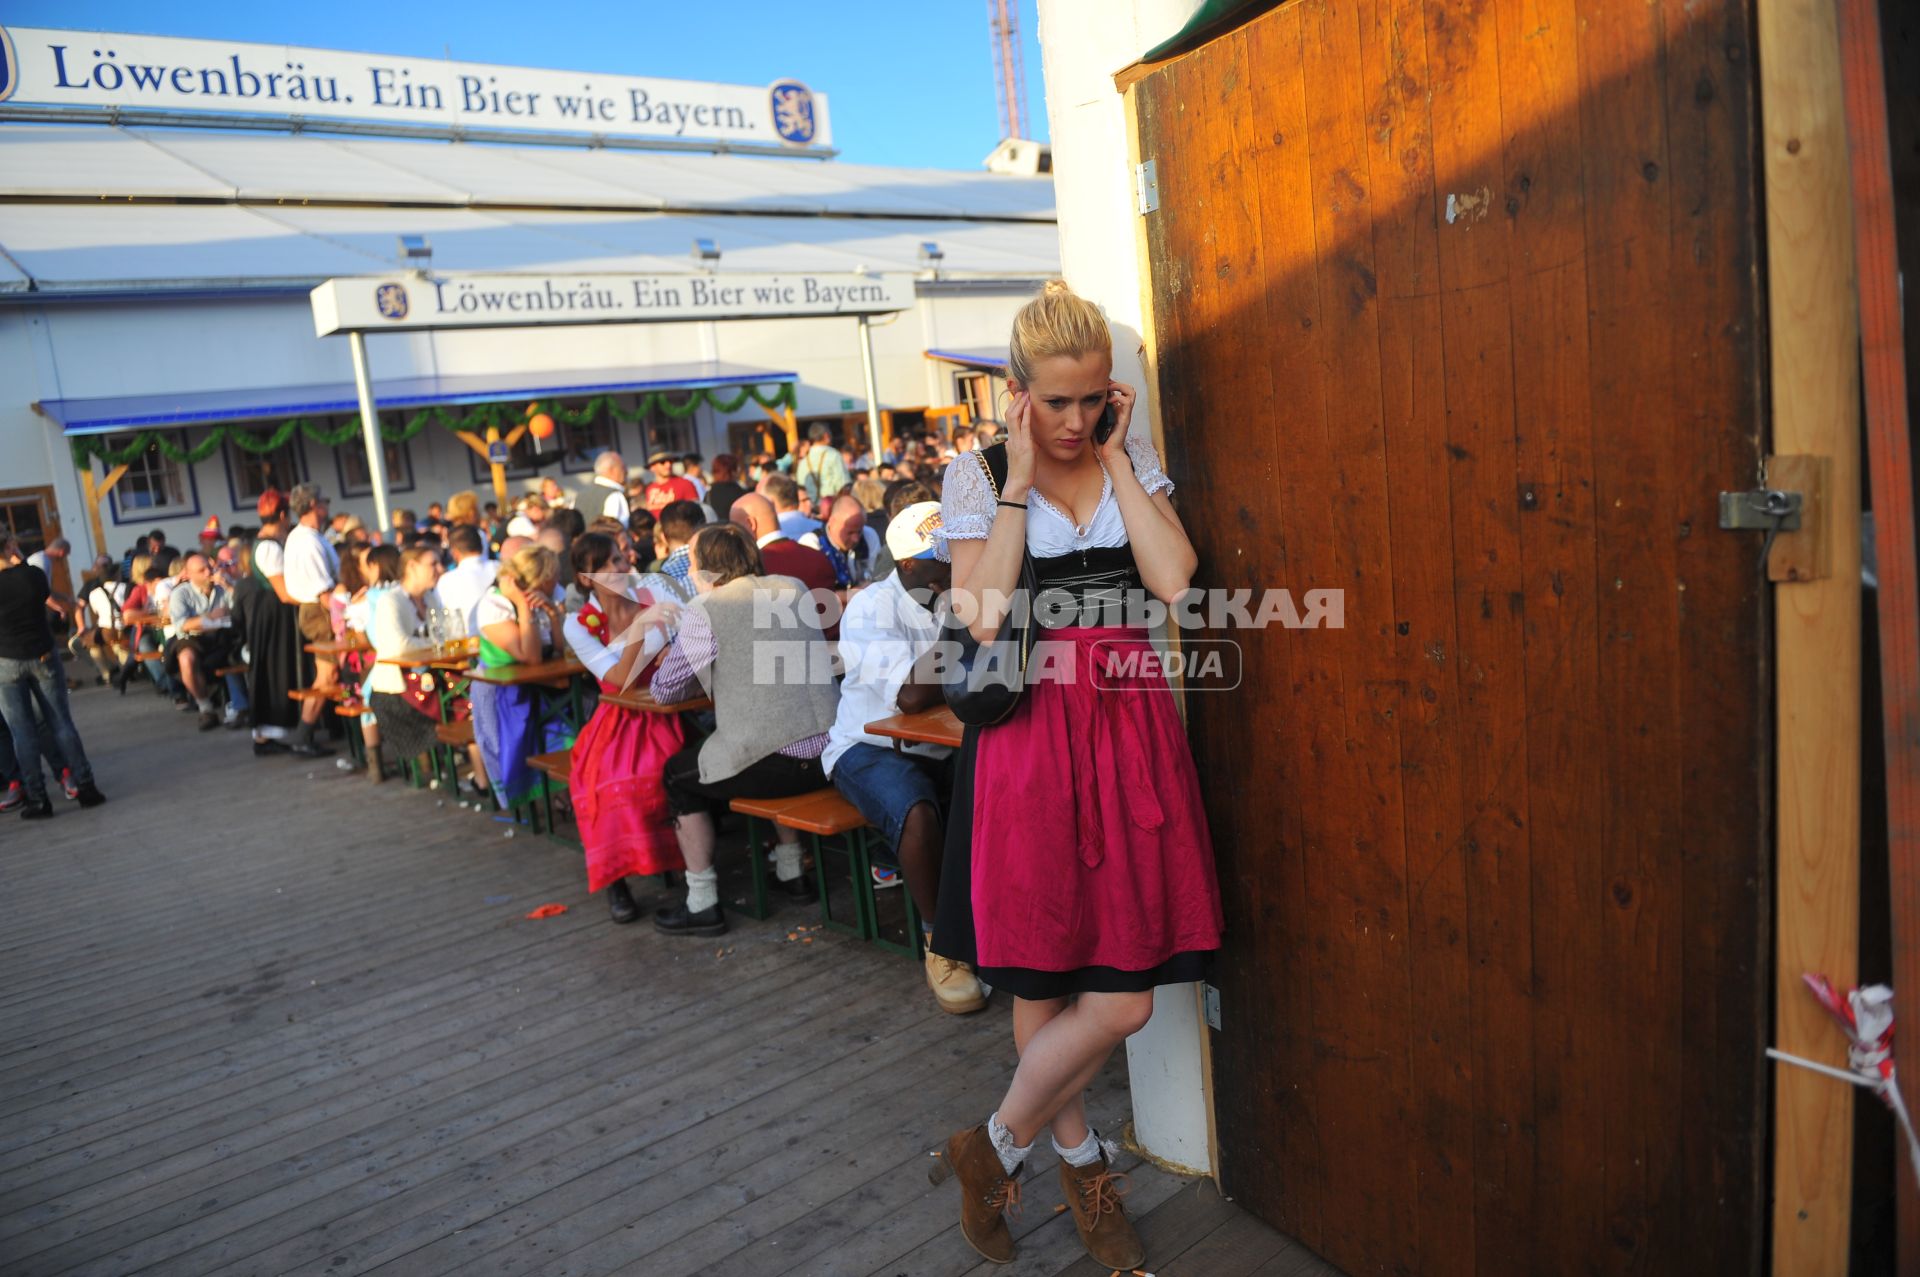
[251, 473]
[660, 432]
[975, 390]
[583, 443]
[152, 484]
[351, 457]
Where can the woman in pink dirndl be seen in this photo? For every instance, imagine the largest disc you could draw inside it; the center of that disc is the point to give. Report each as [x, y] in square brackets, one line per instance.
[1078, 873]
[625, 826]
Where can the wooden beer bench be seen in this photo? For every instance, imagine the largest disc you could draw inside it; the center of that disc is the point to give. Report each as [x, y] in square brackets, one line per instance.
[557, 767]
[825, 814]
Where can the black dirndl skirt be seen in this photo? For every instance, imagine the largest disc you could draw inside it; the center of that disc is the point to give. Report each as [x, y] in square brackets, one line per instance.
[953, 934]
[405, 732]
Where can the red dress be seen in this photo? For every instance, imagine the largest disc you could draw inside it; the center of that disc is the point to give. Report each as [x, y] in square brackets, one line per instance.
[617, 759]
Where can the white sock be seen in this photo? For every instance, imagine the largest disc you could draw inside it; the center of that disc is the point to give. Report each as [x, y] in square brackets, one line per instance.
[786, 861]
[205, 704]
[1085, 1153]
[1011, 1154]
[703, 889]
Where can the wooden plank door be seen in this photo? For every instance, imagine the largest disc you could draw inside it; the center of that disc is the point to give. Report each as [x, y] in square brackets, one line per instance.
[33, 515]
[1455, 310]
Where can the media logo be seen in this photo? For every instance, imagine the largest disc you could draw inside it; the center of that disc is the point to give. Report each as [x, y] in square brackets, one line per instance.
[793, 112]
[391, 300]
[9, 66]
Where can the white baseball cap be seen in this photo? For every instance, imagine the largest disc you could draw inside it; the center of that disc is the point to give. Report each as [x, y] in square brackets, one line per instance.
[910, 535]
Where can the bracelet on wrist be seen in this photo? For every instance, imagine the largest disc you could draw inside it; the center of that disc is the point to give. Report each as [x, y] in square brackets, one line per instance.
[1017, 505]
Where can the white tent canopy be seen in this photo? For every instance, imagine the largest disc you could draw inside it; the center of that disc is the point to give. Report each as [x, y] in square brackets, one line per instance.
[92, 162]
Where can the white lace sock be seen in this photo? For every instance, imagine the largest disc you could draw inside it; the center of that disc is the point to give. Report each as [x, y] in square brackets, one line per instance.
[703, 889]
[1011, 1154]
[786, 861]
[1085, 1153]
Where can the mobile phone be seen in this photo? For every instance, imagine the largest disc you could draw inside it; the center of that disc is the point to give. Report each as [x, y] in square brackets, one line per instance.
[1104, 430]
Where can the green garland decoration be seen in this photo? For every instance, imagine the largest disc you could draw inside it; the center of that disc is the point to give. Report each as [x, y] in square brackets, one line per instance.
[478, 418]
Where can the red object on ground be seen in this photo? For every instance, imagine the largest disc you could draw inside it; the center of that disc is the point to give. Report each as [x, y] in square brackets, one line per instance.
[548, 911]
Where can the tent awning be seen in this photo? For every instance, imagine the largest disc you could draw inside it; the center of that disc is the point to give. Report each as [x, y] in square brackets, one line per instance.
[132, 412]
[989, 358]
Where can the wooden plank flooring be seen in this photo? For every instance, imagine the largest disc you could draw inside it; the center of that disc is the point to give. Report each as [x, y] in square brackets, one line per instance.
[260, 1017]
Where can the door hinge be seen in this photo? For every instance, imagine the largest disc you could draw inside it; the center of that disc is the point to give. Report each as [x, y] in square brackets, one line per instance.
[1210, 999]
[1146, 188]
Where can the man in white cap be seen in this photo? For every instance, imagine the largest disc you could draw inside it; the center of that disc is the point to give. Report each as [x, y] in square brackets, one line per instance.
[887, 642]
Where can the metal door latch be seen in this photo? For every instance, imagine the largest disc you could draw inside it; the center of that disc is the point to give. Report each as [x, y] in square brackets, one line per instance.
[1768, 510]
[1210, 999]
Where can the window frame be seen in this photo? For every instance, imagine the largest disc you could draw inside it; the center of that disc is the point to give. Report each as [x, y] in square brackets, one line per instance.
[612, 424]
[357, 447]
[229, 452]
[147, 514]
[657, 421]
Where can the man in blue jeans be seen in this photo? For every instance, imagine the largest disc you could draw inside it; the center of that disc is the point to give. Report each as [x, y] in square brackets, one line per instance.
[887, 639]
[29, 668]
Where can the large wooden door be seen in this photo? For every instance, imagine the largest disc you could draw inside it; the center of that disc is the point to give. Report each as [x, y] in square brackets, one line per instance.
[1455, 309]
[33, 515]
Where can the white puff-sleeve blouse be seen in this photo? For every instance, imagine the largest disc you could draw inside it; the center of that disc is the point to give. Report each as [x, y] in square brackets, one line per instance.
[967, 507]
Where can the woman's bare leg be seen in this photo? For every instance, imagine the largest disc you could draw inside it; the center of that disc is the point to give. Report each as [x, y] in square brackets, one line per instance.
[1028, 1019]
[1062, 1054]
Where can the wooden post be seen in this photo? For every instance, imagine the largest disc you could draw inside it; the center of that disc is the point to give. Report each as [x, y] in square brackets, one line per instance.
[1890, 449]
[483, 446]
[1815, 364]
[499, 471]
[788, 424]
[94, 489]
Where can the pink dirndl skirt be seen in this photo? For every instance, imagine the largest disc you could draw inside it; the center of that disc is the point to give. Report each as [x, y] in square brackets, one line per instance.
[1089, 840]
[617, 796]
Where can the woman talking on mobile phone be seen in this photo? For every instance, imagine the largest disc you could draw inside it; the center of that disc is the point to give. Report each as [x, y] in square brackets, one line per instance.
[1078, 872]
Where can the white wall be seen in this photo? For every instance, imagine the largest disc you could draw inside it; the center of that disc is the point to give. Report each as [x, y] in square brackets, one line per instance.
[1082, 44]
[105, 349]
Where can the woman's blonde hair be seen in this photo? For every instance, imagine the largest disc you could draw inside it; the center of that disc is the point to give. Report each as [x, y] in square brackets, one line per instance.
[532, 567]
[1057, 322]
[463, 507]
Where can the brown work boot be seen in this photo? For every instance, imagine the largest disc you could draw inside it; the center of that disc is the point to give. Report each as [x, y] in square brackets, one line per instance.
[1093, 1193]
[986, 1192]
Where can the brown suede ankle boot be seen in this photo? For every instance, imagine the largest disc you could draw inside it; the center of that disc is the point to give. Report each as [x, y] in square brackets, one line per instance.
[1093, 1192]
[986, 1192]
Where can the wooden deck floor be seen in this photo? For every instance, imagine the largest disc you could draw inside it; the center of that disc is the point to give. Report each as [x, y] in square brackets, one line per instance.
[261, 1017]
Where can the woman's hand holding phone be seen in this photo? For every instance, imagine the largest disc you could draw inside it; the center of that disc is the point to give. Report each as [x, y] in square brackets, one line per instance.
[1019, 447]
[1110, 436]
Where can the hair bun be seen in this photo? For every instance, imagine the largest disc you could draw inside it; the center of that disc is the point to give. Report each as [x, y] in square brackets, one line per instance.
[1057, 288]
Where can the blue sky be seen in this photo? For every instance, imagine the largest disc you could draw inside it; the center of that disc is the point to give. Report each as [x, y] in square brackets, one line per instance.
[910, 81]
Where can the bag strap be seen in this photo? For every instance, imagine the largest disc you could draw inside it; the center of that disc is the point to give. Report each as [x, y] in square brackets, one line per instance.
[993, 463]
[987, 470]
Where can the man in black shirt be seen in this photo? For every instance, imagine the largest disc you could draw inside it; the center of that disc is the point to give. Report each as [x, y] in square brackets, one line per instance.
[30, 667]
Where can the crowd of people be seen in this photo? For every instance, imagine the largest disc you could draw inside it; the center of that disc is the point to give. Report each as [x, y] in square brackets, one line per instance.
[1060, 855]
[226, 629]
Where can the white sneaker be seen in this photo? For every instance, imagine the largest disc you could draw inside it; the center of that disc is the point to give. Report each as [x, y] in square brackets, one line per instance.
[954, 986]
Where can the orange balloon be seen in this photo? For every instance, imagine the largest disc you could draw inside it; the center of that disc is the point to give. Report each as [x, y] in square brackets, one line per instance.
[541, 425]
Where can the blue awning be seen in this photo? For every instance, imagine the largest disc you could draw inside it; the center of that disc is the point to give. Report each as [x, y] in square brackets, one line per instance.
[134, 412]
[988, 358]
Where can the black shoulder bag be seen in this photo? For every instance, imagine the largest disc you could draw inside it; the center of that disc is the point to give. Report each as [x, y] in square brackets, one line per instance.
[983, 686]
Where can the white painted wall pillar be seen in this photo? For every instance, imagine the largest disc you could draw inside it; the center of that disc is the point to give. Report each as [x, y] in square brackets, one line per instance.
[1082, 44]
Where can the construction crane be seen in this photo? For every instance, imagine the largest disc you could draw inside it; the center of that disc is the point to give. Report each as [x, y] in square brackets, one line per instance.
[1010, 81]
